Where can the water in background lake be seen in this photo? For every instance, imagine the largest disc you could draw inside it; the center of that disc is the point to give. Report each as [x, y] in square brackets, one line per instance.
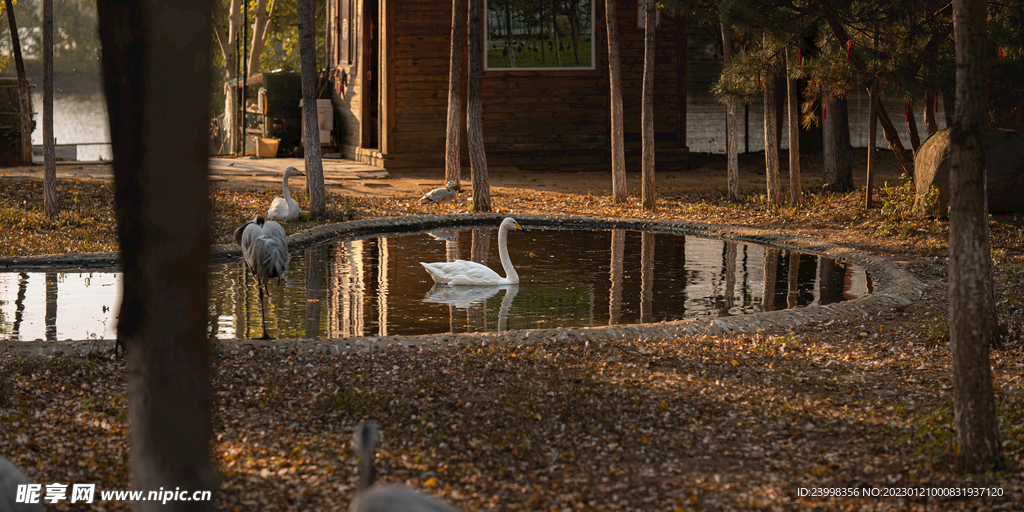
[77, 119]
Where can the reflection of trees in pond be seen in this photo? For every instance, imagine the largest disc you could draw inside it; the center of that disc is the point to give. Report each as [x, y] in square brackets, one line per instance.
[539, 33]
[646, 275]
[615, 294]
[729, 263]
[771, 266]
[316, 279]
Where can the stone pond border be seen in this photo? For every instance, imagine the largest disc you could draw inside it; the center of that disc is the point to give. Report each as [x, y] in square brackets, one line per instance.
[893, 286]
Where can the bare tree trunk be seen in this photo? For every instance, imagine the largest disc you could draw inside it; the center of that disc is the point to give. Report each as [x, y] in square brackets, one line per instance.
[731, 141]
[260, 29]
[649, 200]
[314, 161]
[619, 192]
[872, 132]
[456, 89]
[474, 114]
[23, 94]
[970, 280]
[228, 42]
[50, 203]
[162, 206]
[795, 191]
[931, 102]
[915, 137]
[771, 140]
[835, 129]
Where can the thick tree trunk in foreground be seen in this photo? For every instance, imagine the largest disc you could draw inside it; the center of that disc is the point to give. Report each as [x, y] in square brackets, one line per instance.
[314, 157]
[648, 193]
[474, 113]
[162, 207]
[835, 129]
[732, 150]
[619, 191]
[970, 283]
[456, 89]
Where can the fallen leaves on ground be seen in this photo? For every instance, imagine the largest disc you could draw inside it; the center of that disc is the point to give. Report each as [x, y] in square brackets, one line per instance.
[698, 423]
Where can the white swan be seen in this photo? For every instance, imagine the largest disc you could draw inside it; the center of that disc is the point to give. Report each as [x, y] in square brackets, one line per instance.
[470, 273]
[285, 208]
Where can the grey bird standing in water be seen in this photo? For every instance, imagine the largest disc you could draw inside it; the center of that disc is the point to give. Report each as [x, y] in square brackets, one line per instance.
[265, 251]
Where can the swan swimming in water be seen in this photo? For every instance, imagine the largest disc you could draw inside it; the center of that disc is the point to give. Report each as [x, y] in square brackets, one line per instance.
[285, 208]
[470, 273]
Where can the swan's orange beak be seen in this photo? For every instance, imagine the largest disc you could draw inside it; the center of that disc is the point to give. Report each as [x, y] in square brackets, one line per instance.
[520, 228]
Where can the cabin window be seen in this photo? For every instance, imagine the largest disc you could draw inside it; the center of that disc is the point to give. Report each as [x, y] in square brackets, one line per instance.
[539, 34]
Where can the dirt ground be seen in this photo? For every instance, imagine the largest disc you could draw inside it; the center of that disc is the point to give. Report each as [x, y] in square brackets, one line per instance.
[707, 173]
[711, 422]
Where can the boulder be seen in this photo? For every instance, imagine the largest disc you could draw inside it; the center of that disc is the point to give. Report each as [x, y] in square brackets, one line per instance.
[1004, 166]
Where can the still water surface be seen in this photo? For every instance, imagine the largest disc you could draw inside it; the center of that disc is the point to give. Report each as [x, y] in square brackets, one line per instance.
[376, 287]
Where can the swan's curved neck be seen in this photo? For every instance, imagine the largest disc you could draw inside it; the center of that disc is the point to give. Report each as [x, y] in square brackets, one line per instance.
[506, 262]
[284, 185]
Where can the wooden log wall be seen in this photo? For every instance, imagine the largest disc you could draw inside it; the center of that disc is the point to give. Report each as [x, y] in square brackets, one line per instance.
[531, 118]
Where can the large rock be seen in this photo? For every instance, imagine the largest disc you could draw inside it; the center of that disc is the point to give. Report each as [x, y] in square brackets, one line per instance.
[1004, 162]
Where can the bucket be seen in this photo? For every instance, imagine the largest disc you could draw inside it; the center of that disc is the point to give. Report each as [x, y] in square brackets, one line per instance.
[266, 148]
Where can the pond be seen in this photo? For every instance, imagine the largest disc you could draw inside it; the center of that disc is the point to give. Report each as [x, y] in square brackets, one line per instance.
[376, 287]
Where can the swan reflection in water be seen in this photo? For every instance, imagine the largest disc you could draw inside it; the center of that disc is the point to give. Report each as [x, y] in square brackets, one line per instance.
[465, 296]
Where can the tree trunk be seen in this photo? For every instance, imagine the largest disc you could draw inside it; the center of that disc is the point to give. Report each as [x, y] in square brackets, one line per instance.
[23, 94]
[162, 207]
[50, 204]
[795, 191]
[888, 129]
[835, 129]
[731, 141]
[771, 140]
[474, 114]
[931, 103]
[915, 137]
[228, 42]
[872, 138]
[619, 192]
[970, 280]
[314, 161]
[260, 29]
[456, 90]
[649, 201]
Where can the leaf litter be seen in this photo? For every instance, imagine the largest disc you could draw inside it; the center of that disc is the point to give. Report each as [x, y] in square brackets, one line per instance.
[734, 422]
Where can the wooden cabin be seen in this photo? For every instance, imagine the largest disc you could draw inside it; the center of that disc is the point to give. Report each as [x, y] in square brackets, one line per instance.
[545, 83]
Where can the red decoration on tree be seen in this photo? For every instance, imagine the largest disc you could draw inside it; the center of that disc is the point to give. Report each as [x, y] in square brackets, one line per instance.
[908, 111]
[1000, 52]
[824, 112]
[847, 49]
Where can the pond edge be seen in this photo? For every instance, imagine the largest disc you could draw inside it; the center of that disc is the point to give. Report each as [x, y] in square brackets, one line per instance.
[894, 286]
